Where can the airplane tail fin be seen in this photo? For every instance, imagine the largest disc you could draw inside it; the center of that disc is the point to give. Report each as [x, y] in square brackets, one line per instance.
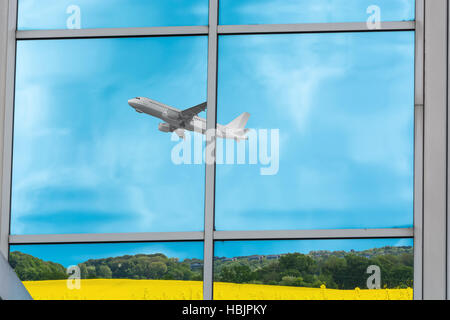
[240, 122]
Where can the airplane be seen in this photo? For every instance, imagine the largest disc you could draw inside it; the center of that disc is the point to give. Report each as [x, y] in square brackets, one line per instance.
[179, 121]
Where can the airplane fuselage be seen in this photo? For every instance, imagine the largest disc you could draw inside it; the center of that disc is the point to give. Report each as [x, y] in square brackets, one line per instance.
[168, 114]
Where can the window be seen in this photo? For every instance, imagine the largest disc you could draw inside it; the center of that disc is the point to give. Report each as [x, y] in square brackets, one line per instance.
[316, 185]
[142, 271]
[319, 11]
[92, 163]
[346, 130]
[314, 270]
[86, 14]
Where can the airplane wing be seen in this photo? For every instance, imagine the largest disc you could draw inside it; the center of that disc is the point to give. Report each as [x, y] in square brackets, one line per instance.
[192, 112]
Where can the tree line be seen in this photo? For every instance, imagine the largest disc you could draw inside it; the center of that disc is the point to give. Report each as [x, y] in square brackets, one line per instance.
[141, 266]
[334, 269]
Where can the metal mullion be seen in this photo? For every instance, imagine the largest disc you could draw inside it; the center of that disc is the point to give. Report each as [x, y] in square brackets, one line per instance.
[418, 149]
[418, 201]
[435, 151]
[106, 237]
[210, 175]
[448, 148]
[315, 27]
[111, 32]
[8, 128]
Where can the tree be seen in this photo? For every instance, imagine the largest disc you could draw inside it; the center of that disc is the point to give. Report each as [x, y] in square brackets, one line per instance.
[91, 272]
[104, 272]
[157, 270]
[83, 271]
[236, 274]
[29, 268]
[333, 272]
[297, 262]
[355, 274]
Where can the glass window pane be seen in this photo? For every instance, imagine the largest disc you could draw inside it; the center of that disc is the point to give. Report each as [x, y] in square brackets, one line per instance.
[343, 105]
[85, 161]
[134, 271]
[85, 14]
[372, 269]
[317, 11]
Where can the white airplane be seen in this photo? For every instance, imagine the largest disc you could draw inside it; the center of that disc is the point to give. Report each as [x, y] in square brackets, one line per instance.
[178, 121]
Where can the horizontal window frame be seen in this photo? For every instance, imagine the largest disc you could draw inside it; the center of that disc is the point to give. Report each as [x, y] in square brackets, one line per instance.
[388, 233]
[221, 30]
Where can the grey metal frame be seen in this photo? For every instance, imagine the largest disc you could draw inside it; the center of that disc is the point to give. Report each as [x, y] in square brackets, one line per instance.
[3, 66]
[425, 130]
[448, 158]
[418, 149]
[11, 288]
[435, 151]
[8, 107]
[210, 183]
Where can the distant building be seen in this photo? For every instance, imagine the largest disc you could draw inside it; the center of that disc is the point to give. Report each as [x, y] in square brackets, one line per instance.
[229, 259]
[255, 258]
[219, 258]
[196, 266]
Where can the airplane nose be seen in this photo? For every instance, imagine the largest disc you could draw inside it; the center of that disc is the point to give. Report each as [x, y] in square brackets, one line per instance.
[132, 103]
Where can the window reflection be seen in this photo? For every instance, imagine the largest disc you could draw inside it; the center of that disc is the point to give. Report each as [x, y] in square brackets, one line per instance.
[317, 11]
[380, 269]
[84, 161]
[86, 14]
[138, 271]
[343, 105]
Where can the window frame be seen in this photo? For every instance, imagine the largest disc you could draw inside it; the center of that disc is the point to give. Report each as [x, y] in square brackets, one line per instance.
[209, 235]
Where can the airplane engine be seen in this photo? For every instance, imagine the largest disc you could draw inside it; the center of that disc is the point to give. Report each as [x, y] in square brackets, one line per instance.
[164, 127]
[180, 133]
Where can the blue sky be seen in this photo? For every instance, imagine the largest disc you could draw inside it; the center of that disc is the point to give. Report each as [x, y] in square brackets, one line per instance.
[311, 11]
[84, 160]
[245, 248]
[344, 105]
[51, 14]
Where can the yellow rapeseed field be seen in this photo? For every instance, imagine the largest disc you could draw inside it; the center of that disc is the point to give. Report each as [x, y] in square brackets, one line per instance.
[123, 289]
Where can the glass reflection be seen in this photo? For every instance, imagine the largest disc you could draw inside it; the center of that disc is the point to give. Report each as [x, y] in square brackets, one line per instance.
[137, 271]
[376, 269]
[317, 11]
[86, 14]
[343, 105]
[84, 161]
